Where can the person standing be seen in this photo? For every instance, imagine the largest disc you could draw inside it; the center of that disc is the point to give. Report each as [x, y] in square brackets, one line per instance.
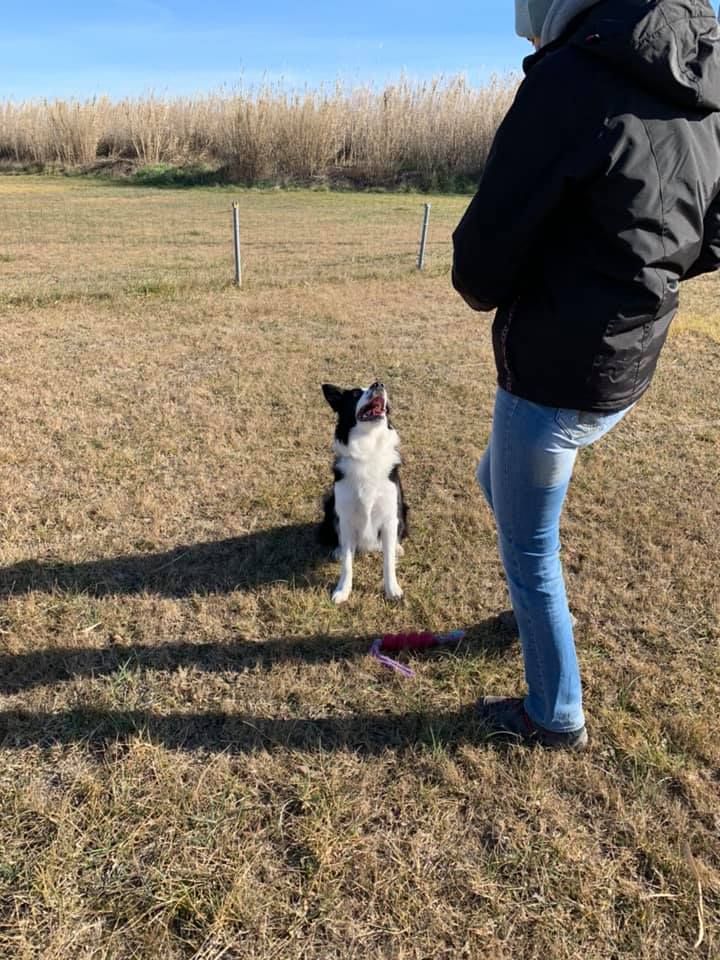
[600, 195]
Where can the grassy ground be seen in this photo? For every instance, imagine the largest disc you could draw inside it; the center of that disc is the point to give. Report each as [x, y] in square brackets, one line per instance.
[197, 759]
[70, 237]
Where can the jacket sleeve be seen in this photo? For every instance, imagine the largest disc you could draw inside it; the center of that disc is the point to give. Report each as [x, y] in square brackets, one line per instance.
[546, 141]
[709, 258]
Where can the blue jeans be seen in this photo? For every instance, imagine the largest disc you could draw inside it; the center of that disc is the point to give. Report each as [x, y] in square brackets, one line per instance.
[524, 474]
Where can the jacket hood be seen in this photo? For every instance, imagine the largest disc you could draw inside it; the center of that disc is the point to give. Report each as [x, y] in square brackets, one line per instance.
[671, 47]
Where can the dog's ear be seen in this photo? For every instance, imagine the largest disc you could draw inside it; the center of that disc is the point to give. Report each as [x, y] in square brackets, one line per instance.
[333, 395]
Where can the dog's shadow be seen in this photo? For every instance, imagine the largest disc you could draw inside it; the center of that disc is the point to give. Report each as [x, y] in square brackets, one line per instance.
[289, 554]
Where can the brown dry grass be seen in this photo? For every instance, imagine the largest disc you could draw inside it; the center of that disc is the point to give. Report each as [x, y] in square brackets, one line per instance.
[198, 760]
[437, 129]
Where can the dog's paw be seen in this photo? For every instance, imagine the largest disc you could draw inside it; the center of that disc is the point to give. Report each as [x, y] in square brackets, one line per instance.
[340, 596]
[393, 593]
[336, 554]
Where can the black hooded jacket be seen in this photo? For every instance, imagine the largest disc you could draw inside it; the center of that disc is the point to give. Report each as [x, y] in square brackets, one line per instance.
[601, 193]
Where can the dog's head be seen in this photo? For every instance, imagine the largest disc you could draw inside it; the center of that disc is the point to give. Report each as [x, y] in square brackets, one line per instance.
[357, 408]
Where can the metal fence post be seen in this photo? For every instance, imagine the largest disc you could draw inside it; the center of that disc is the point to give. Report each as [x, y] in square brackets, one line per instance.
[423, 237]
[236, 242]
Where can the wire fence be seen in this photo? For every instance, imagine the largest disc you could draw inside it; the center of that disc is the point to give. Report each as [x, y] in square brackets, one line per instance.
[75, 237]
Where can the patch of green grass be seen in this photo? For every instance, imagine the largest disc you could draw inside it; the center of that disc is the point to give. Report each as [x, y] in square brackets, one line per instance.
[166, 175]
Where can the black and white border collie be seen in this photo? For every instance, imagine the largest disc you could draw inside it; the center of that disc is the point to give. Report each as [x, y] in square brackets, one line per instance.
[366, 510]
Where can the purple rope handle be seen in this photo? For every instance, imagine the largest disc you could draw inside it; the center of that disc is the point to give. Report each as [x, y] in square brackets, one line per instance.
[375, 651]
[388, 662]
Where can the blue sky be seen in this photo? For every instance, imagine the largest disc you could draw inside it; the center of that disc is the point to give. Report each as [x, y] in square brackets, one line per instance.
[128, 47]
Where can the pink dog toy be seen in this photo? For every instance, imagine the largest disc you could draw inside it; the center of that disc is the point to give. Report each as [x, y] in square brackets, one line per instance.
[409, 641]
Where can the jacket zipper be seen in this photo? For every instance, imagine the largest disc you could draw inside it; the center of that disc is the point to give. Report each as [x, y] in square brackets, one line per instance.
[503, 345]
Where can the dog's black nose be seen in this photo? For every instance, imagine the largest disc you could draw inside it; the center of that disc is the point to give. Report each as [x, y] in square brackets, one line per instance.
[378, 386]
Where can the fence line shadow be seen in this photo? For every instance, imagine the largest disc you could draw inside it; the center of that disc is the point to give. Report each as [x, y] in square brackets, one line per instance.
[25, 671]
[282, 553]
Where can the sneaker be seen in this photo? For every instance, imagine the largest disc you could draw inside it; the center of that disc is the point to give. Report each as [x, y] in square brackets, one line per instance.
[507, 718]
[506, 622]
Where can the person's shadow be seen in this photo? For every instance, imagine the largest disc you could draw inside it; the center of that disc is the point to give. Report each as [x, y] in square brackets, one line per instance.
[281, 554]
[231, 732]
[40, 667]
[241, 733]
[286, 553]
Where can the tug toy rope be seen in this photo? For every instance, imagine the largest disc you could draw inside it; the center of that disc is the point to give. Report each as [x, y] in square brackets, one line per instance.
[409, 641]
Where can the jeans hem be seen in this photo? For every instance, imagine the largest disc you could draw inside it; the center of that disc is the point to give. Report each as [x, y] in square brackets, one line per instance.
[574, 728]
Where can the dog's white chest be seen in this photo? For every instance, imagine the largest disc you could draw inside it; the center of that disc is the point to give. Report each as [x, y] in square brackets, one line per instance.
[366, 496]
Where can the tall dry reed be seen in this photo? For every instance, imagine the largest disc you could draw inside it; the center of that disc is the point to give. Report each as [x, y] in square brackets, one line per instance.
[433, 130]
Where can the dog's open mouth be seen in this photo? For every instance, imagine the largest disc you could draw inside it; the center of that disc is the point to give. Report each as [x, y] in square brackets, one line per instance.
[375, 410]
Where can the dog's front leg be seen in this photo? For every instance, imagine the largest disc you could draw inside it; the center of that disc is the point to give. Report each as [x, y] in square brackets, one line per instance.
[346, 551]
[390, 546]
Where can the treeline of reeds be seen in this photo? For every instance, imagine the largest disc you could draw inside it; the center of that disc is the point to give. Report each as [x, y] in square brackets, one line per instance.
[430, 133]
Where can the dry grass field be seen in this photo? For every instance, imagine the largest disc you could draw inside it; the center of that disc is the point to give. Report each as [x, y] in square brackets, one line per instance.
[197, 757]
